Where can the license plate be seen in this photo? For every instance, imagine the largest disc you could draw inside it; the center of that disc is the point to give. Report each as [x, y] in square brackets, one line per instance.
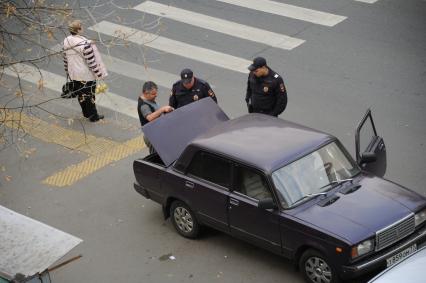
[401, 255]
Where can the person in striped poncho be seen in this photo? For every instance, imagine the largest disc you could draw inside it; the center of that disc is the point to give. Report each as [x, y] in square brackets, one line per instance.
[83, 66]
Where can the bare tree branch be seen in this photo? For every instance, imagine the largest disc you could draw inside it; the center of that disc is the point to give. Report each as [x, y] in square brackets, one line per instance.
[30, 31]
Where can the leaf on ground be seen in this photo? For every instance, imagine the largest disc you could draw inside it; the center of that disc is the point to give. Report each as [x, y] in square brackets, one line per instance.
[30, 151]
[40, 84]
[50, 34]
[10, 10]
[8, 178]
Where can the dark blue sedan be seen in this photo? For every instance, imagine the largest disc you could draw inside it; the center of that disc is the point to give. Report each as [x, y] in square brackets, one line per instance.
[290, 189]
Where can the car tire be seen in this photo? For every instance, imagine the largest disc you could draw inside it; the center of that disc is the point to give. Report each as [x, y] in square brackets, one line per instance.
[316, 268]
[184, 220]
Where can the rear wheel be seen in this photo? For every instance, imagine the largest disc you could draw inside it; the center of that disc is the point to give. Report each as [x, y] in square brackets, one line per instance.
[316, 268]
[184, 220]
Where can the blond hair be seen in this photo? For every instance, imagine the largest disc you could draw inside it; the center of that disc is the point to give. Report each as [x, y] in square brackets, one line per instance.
[74, 26]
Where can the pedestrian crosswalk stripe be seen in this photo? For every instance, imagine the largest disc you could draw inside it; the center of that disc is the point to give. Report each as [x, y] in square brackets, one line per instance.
[201, 54]
[289, 11]
[139, 72]
[367, 1]
[134, 71]
[54, 82]
[219, 25]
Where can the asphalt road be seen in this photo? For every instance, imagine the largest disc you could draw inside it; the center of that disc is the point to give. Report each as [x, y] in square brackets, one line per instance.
[375, 57]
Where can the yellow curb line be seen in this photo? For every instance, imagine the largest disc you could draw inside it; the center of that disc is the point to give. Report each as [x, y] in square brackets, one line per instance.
[78, 171]
[51, 133]
[103, 151]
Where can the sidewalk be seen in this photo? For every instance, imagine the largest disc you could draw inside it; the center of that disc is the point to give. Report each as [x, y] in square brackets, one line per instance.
[62, 144]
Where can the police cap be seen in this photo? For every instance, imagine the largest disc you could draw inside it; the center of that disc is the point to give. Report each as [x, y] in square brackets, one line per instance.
[258, 62]
[186, 75]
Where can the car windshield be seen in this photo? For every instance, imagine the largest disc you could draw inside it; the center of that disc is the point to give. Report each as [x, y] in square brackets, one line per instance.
[313, 174]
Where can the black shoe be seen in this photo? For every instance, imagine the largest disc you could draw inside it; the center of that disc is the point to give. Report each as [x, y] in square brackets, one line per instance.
[96, 118]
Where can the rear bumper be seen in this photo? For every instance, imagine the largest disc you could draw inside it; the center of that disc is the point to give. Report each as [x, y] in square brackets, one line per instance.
[378, 261]
[141, 190]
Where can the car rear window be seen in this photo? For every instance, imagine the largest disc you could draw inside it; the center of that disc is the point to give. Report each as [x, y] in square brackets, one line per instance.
[211, 168]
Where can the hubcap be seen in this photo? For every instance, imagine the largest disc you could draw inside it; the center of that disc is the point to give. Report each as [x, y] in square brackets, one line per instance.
[183, 219]
[318, 270]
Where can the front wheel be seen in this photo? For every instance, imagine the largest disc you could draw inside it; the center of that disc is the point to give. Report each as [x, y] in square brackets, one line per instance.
[184, 220]
[316, 268]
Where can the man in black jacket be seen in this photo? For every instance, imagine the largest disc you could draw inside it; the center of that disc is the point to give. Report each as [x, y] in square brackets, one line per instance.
[189, 89]
[266, 92]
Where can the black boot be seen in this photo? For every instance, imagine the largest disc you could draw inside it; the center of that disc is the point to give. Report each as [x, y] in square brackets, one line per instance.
[96, 118]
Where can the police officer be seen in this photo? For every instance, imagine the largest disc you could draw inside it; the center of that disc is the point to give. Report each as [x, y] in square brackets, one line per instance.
[266, 92]
[189, 89]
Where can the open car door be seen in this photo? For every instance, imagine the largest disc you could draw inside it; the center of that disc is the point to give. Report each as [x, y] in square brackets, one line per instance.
[370, 148]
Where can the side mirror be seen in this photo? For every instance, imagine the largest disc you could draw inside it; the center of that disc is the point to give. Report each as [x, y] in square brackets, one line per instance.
[368, 157]
[266, 203]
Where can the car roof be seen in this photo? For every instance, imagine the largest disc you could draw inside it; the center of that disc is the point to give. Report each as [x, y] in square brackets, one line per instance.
[263, 141]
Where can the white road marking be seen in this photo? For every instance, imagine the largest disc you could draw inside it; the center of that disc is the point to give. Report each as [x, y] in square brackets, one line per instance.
[367, 1]
[223, 26]
[289, 11]
[134, 71]
[204, 55]
[54, 82]
[139, 72]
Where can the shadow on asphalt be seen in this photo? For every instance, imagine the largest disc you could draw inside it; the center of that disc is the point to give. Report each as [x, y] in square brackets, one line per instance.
[231, 243]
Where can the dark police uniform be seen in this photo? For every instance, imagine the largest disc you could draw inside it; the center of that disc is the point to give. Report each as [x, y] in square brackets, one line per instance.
[182, 96]
[267, 94]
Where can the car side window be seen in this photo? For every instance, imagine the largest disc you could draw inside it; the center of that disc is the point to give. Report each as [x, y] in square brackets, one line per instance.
[211, 168]
[251, 183]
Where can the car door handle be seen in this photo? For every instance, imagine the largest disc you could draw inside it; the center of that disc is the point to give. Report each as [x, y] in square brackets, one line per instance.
[189, 184]
[234, 202]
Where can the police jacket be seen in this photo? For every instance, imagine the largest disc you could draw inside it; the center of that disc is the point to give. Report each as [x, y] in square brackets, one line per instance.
[266, 94]
[182, 96]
